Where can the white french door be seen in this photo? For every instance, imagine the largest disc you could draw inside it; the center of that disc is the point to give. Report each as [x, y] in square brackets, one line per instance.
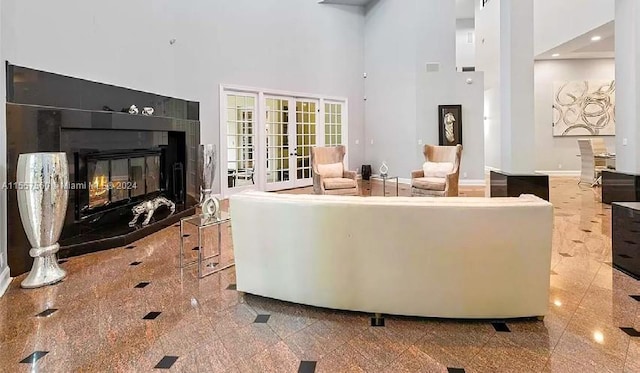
[291, 129]
[306, 119]
[279, 143]
[238, 137]
[266, 136]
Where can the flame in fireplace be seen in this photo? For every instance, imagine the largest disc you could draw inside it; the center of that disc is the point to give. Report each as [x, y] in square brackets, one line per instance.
[98, 187]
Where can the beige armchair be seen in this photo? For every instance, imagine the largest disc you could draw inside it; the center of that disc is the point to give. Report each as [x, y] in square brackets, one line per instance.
[329, 175]
[443, 167]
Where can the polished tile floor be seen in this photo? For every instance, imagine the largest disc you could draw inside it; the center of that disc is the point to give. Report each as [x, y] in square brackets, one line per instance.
[110, 315]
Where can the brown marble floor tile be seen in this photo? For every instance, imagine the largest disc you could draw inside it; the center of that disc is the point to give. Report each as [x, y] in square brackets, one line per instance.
[99, 328]
[560, 364]
[376, 350]
[277, 358]
[243, 343]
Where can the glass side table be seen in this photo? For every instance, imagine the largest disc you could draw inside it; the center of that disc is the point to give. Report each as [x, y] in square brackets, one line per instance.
[384, 183]
[201, 223]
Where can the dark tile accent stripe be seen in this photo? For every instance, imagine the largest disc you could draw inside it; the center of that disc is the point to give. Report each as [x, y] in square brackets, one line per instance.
[142, 285]
[636, 297]
[35, 356]
[186, 235]
[307, 367]
[566, 255]
[196, 248]
[624, 256]
[232, 287]
[47, 312]
[166, 362]
[586, 230]
[135, 263]
[151, 315]
[577, 241]
[455, 370]
[262, 319]
[501, 327]
[631, 332]
[176, 225]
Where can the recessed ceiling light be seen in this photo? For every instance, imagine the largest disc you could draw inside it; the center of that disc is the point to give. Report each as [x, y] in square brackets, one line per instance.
[596, 38]
[555, 55]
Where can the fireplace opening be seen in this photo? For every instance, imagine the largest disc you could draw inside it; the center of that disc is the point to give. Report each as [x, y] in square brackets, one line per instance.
[117, 178]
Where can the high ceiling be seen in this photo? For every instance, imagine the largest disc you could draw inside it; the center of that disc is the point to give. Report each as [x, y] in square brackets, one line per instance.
[345, 2]
[464, 8]
[584, 47]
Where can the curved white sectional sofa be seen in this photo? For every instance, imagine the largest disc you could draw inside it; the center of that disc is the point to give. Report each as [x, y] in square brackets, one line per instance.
[420, 256]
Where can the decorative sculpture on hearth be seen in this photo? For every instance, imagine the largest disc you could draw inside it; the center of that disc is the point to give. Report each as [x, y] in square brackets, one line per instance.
[147, 110]
[149, 207]
[133, 109]
[42, 192]
[207, 161]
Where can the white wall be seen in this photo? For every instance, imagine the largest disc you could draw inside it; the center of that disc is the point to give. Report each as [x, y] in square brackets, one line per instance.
[558, 154]
[488, 61]
[453, 89]
[627, 40]
[4, 269]
[402, 97]
[390, 86]
[465, 51]
[301, 46]
[558, 21]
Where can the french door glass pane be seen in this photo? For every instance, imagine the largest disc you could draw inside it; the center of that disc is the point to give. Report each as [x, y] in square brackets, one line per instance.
[333, 124]
[306, 130]
[277, 140]
[240, 140]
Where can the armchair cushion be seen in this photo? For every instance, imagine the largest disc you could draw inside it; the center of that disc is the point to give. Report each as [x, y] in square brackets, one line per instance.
[437, 169]
[331, 170]
[338, 183]
[430, 183]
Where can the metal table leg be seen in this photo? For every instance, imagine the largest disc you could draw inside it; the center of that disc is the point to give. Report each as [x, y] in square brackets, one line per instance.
[201, 273]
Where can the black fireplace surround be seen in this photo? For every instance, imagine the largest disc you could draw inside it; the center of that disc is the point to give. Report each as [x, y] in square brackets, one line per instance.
[116, 159]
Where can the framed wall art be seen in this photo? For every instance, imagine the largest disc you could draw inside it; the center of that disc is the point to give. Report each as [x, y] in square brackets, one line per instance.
[450, 124]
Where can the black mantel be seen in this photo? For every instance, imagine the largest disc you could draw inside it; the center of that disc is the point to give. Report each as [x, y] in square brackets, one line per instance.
[51, 112]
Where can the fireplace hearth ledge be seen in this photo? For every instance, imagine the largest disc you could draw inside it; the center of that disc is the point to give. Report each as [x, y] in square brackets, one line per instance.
[121, 234]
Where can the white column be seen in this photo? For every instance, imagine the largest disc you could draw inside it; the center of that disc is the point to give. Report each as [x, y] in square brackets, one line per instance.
[516, 86]
[627, 88]
[4, 267]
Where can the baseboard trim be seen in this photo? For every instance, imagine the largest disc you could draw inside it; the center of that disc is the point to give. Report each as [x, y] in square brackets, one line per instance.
[472, 182]
[5, 280]
[566, 173]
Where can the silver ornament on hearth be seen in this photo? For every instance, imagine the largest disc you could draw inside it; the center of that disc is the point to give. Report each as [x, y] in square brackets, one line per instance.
[149, 207]
[207, 160]
[42, 193]
[147, 110]
[384, 170]
[133, 109]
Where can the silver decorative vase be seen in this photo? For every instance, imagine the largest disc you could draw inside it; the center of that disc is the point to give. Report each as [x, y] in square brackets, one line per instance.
[207, 160]
[42, 190]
